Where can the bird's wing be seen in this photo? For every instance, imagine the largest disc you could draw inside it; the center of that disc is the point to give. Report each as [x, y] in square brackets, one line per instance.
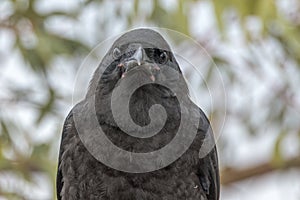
[208, 170]
[209, 175]
[59, 177]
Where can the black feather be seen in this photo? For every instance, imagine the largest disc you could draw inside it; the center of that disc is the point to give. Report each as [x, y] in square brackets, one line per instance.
[81, 176]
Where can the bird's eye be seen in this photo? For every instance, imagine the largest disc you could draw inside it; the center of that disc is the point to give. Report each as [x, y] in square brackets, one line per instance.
[116, 53]
[163, 58]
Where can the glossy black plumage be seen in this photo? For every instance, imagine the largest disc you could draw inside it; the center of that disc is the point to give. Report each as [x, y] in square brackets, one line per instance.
[81, 176]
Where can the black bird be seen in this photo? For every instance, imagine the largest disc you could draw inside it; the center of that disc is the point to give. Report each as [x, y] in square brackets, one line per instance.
[139, 57]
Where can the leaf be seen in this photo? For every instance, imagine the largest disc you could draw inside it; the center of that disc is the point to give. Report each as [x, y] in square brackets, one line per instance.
[47, 107]
[277, 155]
[33, 58]
[175, 20]
[219, 7]
[40, 151]
[245, 7]
[266, 10]
[4, 135]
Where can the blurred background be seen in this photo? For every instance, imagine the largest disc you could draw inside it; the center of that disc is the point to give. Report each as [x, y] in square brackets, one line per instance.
[255, 45]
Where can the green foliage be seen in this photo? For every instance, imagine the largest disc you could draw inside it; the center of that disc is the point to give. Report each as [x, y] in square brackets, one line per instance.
[175, 20]
[38, 48]
[265, 10]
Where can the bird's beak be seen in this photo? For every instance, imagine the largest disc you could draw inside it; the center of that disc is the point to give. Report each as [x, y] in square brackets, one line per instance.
[139, 56]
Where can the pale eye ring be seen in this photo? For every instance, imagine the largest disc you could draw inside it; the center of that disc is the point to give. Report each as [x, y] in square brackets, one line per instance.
[116, 53]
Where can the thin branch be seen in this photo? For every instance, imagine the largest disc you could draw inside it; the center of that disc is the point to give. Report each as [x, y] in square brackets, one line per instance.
[231, 175]
[7, 25]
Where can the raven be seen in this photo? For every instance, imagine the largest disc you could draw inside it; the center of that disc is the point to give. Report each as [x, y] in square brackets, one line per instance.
[158, 109]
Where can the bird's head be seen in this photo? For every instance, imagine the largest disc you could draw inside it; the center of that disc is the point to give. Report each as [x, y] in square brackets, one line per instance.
[137, 56]
[145, 53]
[139, 71]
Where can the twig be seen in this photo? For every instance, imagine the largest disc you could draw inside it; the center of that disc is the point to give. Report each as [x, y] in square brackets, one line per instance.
[231, 175]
